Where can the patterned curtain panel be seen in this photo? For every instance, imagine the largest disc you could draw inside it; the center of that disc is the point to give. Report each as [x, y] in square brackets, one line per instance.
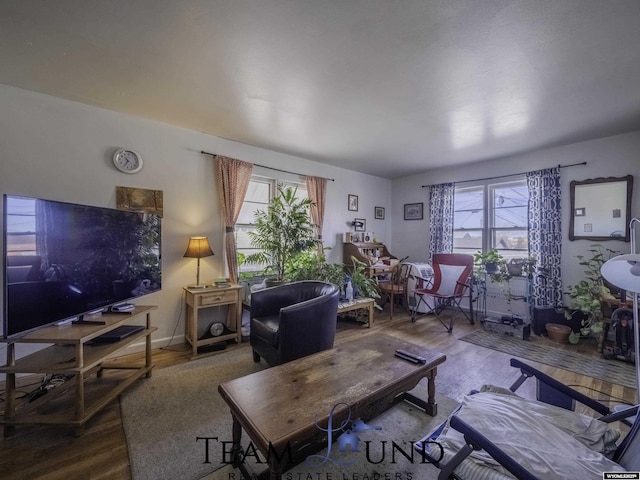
[545, 235]
[441, 218]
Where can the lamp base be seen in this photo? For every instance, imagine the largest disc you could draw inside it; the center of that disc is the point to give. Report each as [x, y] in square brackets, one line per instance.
[198, 286]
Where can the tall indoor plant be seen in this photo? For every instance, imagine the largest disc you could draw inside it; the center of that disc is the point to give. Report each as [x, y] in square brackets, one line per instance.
[586, 295]
[282, 231]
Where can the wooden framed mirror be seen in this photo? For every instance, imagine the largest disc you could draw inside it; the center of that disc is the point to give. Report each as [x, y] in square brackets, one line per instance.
[601, 209]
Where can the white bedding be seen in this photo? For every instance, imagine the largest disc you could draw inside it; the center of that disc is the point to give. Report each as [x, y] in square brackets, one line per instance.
[548, 441]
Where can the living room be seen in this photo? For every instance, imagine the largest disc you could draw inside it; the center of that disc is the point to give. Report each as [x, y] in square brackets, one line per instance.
[58, 149]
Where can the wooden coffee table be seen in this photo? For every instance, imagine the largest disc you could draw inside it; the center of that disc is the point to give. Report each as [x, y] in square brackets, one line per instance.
[278, 407]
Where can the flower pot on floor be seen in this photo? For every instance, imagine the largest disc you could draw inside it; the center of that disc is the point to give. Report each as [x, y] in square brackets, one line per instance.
[558, 333]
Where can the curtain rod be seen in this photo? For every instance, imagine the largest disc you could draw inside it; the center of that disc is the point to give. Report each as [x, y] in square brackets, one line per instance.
[270, 168]
[505, 176]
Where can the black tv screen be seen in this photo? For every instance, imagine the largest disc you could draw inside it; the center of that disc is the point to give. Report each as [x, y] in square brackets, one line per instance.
[63, 260]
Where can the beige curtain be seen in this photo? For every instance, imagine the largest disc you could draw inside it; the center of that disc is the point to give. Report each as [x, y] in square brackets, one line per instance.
[317, 189]
[232, 180]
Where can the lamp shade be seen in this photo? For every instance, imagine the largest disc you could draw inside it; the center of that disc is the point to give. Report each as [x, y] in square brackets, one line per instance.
[623, 271]
[198, 248]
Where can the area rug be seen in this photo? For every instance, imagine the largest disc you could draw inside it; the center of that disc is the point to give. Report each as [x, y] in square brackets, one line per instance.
[164, 416]
[612, 371]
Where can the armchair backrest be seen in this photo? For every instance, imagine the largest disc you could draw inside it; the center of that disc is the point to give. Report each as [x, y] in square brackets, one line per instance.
[451, 273]
[271, 300]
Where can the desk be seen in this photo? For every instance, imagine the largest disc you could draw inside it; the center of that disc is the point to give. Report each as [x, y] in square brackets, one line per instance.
[307, 390]
[198, 298]
[360, 303]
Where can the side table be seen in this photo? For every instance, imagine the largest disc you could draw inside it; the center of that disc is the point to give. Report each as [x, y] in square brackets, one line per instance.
[197, 299]
[360, 303]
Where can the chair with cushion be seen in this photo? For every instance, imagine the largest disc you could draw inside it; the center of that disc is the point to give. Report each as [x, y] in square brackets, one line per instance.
[293, 320]
[451, 281]
[497, 435]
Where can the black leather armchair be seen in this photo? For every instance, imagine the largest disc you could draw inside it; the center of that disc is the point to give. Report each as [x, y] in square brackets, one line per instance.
[293, 320]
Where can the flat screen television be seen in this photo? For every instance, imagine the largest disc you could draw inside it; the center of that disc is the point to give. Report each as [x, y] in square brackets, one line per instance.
[63, 260]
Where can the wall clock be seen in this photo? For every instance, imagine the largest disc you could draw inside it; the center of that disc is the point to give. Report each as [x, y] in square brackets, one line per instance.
[127, 161]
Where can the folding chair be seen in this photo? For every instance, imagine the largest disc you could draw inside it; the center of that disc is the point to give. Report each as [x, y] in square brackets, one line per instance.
[396, 285]
[450, 282]
[557, 457]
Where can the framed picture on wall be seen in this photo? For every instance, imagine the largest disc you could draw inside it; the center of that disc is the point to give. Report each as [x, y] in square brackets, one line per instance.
[353, 203]
[359, 224]
[379, 213]
[413, 211]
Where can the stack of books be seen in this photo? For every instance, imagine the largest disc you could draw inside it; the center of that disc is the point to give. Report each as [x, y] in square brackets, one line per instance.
[221, 283]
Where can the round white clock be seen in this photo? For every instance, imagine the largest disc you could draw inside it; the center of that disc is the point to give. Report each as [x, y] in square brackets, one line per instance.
[127, 161]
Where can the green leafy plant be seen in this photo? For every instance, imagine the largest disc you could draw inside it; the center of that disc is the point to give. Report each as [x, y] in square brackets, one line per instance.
[586, 295]
[490, 260]
[361, 281]
[282, 231]
[311, 265]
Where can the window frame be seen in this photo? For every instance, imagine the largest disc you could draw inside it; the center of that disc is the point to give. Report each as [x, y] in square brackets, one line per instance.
[489, 229]
[273, 182]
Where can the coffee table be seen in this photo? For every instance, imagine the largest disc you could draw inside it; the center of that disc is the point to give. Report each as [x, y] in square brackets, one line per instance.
[360, 378]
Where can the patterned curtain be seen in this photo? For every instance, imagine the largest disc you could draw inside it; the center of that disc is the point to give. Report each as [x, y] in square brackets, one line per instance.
[317, 189]
[232, 181]
[545, 235]
[441, 218]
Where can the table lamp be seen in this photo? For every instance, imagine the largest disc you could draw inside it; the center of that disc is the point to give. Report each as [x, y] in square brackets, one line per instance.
[623, 271]
[198, 247]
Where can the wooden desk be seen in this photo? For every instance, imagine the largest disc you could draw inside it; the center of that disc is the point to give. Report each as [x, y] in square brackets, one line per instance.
[197, 299]
[278, 407]
[360, 303]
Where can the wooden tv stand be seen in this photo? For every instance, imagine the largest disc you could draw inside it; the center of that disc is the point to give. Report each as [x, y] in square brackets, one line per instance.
[81, 396]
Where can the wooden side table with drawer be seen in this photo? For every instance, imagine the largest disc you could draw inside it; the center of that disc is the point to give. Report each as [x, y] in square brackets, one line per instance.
[198, 298]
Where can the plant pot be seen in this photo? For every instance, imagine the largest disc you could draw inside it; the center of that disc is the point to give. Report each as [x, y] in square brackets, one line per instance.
[491, 267]
[558, 333]
[515, 269]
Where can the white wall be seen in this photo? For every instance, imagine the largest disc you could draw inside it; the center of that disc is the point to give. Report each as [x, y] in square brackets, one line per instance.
[60, 150]
[614, 156]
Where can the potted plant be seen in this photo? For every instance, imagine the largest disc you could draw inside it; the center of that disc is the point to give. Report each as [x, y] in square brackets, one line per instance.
[281, 232]
[311, 265]
[363, 285]
[586, 296]
[491, 260]
[518, 267]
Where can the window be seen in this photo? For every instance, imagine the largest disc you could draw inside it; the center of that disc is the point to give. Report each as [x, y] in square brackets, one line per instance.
[492, 215]
[259, 193]
[21, 226]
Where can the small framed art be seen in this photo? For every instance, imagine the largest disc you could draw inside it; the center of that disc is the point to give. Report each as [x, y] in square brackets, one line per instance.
[413, 211]
[379, 213]
[353, 203]
[359, 224]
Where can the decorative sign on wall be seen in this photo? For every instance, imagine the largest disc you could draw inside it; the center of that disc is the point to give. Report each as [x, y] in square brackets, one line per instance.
[139, 200]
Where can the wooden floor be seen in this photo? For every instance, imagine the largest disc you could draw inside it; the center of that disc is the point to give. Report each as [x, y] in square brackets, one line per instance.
[38, 452]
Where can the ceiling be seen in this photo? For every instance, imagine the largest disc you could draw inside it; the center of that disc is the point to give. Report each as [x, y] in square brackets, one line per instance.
[386, 87]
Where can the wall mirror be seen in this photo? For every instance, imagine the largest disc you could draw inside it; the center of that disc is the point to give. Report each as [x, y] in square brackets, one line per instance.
[601, 209]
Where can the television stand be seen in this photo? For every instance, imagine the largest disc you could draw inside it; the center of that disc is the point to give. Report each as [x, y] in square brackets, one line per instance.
[74, 356]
